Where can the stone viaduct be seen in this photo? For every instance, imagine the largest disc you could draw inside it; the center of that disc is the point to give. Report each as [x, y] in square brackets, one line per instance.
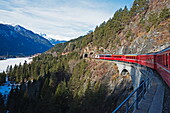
[137, 72]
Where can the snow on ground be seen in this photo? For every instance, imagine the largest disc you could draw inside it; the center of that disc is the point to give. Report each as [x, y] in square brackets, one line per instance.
[5, 89]
[12, 61]
[7, 86]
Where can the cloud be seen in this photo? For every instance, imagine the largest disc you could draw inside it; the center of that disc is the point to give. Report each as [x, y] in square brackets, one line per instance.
[62, 19]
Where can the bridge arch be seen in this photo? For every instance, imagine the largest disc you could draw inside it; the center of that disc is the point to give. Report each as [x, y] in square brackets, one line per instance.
[126, 75]
[134, 71]
[125, 72]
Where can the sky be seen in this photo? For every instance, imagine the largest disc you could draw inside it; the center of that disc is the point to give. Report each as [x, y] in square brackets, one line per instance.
[59, 19]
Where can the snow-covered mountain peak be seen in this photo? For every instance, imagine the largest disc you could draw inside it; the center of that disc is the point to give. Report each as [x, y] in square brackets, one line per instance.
[51, 39]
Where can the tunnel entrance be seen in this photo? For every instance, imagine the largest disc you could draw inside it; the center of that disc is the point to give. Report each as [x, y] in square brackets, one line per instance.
[91, 53]
[85, 55]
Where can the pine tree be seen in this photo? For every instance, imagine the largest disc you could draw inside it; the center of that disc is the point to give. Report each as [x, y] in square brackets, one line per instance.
[45, 90]
[61, 97]
[165, 14]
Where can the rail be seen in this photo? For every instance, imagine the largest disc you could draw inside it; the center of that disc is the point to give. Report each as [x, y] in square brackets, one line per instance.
[139, 94]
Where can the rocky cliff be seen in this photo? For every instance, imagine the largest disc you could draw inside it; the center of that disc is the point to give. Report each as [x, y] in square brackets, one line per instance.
[148, 31]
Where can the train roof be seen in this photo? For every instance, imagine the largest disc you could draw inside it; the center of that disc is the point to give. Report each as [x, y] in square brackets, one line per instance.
[117, 55]
[105, 54]
[148, 54]
[154, 53]
[131, 54]
[166, 49]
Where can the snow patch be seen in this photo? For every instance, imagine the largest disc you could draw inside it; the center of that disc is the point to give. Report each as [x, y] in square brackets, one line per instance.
[12, 61]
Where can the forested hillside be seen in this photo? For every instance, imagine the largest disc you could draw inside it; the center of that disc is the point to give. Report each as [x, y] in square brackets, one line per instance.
[64, 80]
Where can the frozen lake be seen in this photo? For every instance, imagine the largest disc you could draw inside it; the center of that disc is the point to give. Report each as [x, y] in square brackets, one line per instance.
[12, 61]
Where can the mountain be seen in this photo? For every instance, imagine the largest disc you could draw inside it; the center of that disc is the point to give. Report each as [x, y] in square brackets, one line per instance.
[18, 41]
[54, 41]
[66, 78]
[51, 40]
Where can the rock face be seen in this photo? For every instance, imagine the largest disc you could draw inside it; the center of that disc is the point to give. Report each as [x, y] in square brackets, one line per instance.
[150, 37]
[144, 40]
[18, 41]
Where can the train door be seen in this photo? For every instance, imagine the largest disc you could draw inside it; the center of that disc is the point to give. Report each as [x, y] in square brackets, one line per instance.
[164, 60]
[168, 61]
[154, 60]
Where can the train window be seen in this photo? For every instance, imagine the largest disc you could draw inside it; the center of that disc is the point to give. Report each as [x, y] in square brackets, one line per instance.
[160, 59]
[101, 55]
[117, 56]
[169, 61]
[131, 57]
[166, 60]
[108, 56]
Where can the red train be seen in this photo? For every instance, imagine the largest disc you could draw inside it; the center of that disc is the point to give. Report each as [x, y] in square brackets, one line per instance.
[159, 61]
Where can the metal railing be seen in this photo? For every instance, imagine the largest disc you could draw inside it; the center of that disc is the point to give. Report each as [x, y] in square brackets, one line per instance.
[140, 91]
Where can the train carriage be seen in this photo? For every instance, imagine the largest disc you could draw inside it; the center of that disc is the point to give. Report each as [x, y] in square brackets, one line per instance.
[163, 64]
[159, 61]
[106, 56]
[133, 58]
[147, 60]
[118, 57]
